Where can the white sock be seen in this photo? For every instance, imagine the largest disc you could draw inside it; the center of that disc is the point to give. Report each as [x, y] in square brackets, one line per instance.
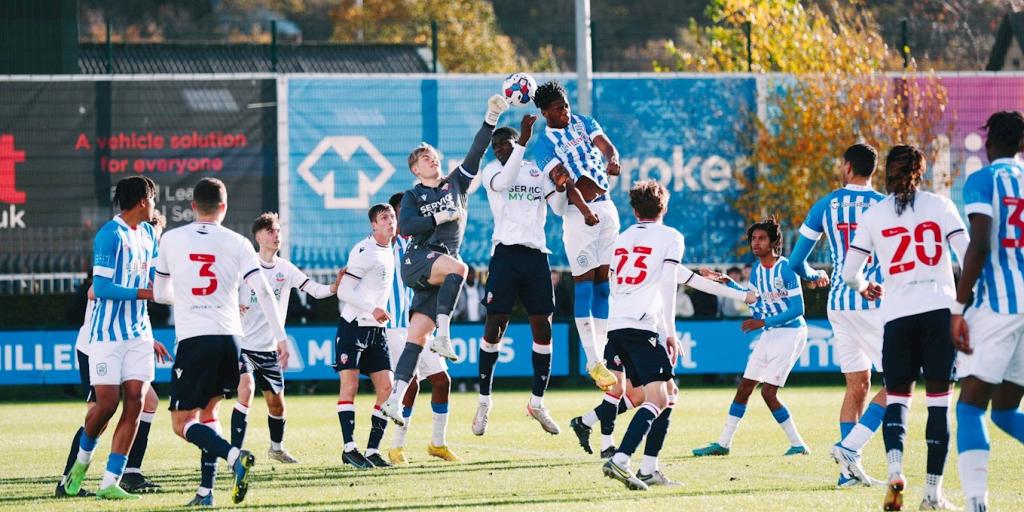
[85, 457]
[621, 459]
[398, 435]
[444, 323]
[232, 456]
[648, 465]
[437, 437]
[590, 418]
[536, 401]
[933, 486]
[607, 441]
[585, 326]
[109, 479]
[371, 451]
[600, 335]
[973, 466]
[731, 424]
[277, 446]
[204, 491]
[857, 438]
[484, 400]
[350, 446]
[895, 458]
[789, 427]
[399, 391]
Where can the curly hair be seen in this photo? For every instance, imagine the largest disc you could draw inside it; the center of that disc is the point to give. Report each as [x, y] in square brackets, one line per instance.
[133, 189]
[770, 226]
[904, 167]
[547, 93]
[1006, 132]
[649, 198]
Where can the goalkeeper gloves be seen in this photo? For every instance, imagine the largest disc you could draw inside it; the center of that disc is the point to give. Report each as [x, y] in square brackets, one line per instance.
[447, 216]
[495, 107]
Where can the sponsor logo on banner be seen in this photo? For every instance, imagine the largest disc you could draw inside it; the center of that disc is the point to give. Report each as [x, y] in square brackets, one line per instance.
[10, 217]
[345, 147]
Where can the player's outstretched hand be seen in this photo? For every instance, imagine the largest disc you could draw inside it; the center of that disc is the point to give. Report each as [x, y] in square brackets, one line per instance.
[707, 273]
[752, 324]
[751, 297]
[496, 106]
[872, 292]
[381, 316]
[337, 280]
[526, 129]
[162, 355]
[961, 339]
[590, 217]
[283, 354]
[822, 281]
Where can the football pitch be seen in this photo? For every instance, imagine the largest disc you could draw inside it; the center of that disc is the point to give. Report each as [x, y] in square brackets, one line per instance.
[514, 466]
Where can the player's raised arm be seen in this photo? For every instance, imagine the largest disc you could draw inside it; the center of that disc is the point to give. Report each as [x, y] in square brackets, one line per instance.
[496, 105]
[506, 176]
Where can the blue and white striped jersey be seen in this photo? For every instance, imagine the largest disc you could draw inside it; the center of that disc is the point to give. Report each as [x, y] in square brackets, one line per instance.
[401, 296]
[998, 192]
[574, 148]
[780, 300]
[126, 256]
[836, 216]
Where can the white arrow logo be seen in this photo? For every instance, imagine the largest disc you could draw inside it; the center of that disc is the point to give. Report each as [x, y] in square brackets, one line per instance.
[346, 146]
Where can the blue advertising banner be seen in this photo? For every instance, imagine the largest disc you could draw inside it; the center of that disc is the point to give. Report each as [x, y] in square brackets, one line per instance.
[719, 346]
[349, 140]
[48, 357]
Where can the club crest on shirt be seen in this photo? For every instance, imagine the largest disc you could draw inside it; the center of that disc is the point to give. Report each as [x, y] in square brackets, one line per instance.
[779, 283]
[583, 261]
[534, 172]
[618, 362]
[423, 197]
[834, 204]
[101, 369]
[343, 358]
[490, 297]
[430, 256]
[279, 277]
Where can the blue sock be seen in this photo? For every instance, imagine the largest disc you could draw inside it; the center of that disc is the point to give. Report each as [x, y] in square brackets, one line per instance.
[583, 300]
[407, 412]
[86, 443]
[1010, 421]
[872, 417]
[116, 463]
[599, 303]
[781, 414]
[439, 408]
[737, 410]
[971, 433]
[844, 428]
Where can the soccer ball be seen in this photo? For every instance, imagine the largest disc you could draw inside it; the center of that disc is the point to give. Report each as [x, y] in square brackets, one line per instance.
[518, 88]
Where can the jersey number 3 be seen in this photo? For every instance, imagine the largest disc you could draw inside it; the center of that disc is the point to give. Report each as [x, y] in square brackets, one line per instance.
[922, 247]
[638, 258]
[205, 270]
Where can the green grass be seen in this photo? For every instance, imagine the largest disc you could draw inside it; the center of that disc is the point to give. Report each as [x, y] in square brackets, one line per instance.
[515, 466]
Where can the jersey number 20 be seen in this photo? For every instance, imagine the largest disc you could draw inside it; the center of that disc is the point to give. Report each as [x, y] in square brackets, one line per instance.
[921, 246]
[207, 261]
[638, 258]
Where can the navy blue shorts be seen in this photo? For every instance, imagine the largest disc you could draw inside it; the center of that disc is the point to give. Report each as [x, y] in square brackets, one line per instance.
[204, 367]
[640, 354]
[264, 368]
[83, 375]
[918, 344]
[361, 348]
[519, 272]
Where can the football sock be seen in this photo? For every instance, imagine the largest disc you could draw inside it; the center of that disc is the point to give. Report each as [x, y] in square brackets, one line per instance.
[937, 437]
[377, 425]
[141, 442]
[865, 429]
[638, 428]
[398, 437]
[276, 426]
[732, 422]
[347, 419]
[541, 372]
[1010, 421]
[73, 452]
[788, 425]
[894, 430]
[239, 424]
[488, 357]
[582, 307]
[972, 446]
[437, 436]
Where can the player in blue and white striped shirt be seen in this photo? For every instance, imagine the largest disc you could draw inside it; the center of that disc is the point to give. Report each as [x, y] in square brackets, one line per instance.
[577, 144]
[856, 321]
[991, 335]
[121, 338]
[780, 312]
[430, 367]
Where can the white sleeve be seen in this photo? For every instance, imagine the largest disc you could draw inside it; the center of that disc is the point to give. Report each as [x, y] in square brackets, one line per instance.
[506, 176]
[558, 201]
[303, 283]
[264, 294]
[698, 282]
[953, 226]
[853, 269]
[355, 270]
[163, 288]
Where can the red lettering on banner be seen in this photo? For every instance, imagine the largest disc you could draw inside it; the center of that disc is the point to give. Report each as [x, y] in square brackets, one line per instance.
[82, 142]
[8, 157]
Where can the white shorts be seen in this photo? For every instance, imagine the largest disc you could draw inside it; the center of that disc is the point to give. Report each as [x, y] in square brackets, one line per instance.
[589, 247]
[775, 352]
[114, 362]
[429, 363]
[858, 339]
[998, 343]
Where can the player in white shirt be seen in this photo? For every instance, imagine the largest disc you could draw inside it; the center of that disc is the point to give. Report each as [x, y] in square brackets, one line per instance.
[361, 345]
[518, 193]
[199, 271]
[259, 355]
[132, 481]
[909, 230]
[990, 336]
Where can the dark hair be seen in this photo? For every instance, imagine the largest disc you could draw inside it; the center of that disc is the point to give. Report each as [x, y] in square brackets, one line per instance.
[1006, 132]
[209, 194]
[547, 93]
[904, 167]
[504, 133]
[377, 209]
[774, 230]
[396, 200]
[266, 220]
[862, 158]
[649, 198]
[734, 269]
[131, 190]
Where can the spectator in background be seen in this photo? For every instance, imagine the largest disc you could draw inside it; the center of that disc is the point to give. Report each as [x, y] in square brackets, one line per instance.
[470, 308]
[729, 308]
[684, 306]
[746, 276]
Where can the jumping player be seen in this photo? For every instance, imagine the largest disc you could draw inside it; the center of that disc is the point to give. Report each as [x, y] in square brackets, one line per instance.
[259, 364]
[518, 193]
[856, 322]
[989, 336]
[199, 271]
[908, 230]
[434, 215]
[779, 312]
[577, 144]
